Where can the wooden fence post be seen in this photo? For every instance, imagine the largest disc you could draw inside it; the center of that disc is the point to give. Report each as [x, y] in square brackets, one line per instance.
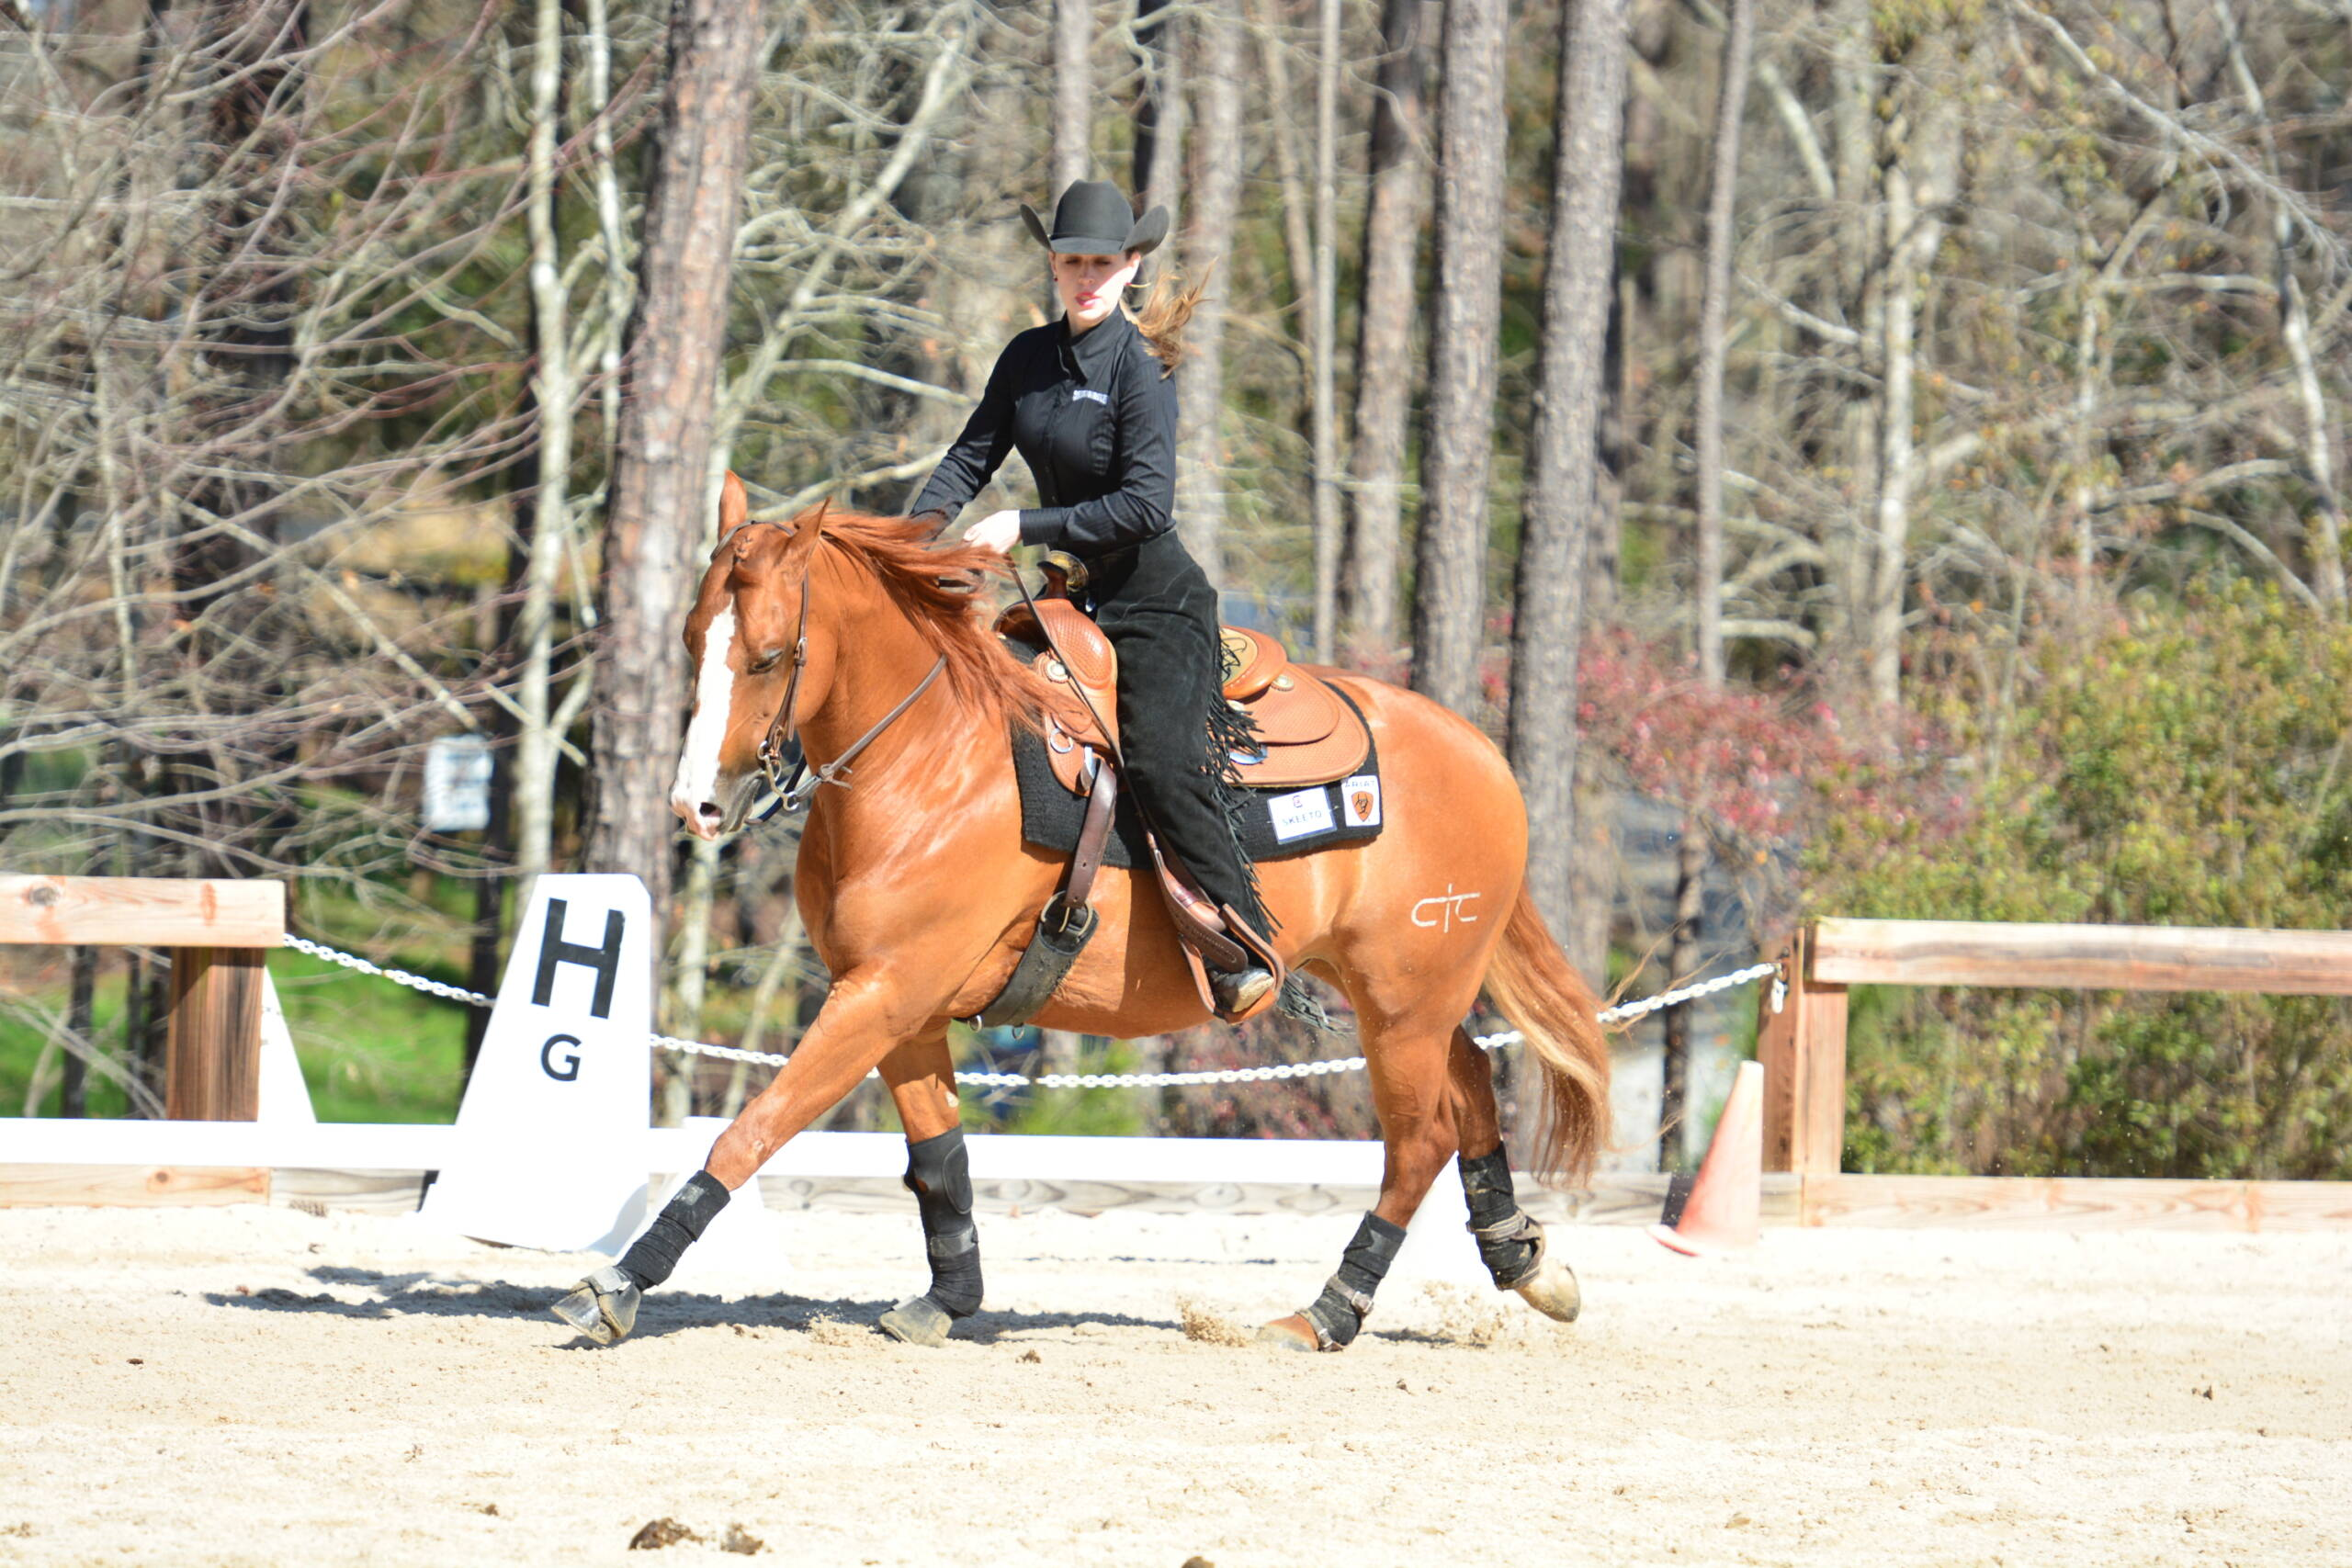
[212, 1065]
[1803, 1048]
[219, 933]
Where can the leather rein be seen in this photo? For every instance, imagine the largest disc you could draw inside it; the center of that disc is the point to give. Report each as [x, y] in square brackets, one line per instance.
[774, 767]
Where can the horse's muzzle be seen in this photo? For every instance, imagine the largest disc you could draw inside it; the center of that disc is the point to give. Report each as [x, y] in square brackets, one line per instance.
[706, 819]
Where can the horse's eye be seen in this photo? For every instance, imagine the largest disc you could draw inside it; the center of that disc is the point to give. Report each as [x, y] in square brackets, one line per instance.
[767, 661]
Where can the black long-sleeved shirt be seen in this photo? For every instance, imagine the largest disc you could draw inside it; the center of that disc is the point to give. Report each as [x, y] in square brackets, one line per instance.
[1096, 419]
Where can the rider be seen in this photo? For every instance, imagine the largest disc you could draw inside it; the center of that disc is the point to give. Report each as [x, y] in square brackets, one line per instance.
[1087, 401]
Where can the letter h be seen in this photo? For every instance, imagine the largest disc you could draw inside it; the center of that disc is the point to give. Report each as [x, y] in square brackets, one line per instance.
[605, 960]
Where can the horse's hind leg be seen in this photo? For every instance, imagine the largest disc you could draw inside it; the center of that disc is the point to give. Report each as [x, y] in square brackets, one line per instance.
[921, 1077]
[1413, 1096]
[1511, 1243]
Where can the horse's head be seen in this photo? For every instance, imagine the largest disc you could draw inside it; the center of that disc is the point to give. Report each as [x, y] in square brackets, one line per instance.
[744, 638]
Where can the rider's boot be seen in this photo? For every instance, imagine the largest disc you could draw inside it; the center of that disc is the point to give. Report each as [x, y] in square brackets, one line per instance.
[1239, 990]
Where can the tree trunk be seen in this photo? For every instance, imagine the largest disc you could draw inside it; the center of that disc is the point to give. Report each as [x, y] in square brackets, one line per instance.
[2325, 547]
[1209, 235]
[1707, 581]
[1448, 593]
[619, 283]
[1713, 312]
[1073, 93]
[1894, 439]
[1323, 411]
[553, 391]
[1392, 232]
[1920, 167]
[1682, 962]
[659, 490]
[1159, 106]
[1579, 273]
[690, 969]
[1592, 866]
[82, 987]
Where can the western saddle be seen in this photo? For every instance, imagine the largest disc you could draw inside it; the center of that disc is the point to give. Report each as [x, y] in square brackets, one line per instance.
[1307, 735]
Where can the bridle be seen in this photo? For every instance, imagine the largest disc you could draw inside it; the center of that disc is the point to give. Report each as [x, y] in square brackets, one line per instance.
[773, 766]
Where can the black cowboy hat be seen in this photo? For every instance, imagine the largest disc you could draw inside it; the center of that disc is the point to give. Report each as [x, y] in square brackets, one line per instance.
[1093, 220]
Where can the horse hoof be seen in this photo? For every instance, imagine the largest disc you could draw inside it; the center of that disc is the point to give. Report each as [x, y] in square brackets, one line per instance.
[917, 1321]
[1551, 1290]
[1292, 1333]
[603, 1307]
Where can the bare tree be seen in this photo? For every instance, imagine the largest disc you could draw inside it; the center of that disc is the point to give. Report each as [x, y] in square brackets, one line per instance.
[1394, 212]
[658, 510]
[1209, 235]
[1159, 105]
[1323, 326]
[554, 391]
[1450, 567]
[1579, 276]
[2295, 332]
[1919, 155]
[1706, 588]
[1073, 92]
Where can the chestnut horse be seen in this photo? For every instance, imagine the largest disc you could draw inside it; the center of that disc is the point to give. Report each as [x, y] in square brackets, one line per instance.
[919, 895]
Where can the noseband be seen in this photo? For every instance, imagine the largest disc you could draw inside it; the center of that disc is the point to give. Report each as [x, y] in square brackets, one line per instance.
[773, 766]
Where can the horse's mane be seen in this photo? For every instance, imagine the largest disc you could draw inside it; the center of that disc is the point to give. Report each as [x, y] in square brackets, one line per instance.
[938, 588]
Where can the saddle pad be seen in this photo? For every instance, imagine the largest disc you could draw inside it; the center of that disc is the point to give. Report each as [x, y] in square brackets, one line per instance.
[1276, 824]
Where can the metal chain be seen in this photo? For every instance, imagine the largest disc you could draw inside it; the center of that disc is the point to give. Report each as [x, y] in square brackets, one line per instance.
[414, 982]
[1623, 1014]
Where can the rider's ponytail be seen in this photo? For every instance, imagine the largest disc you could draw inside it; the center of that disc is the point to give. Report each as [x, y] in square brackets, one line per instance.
[1166, 306]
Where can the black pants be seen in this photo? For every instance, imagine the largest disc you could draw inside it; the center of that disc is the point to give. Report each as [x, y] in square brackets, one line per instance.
[1160, 613]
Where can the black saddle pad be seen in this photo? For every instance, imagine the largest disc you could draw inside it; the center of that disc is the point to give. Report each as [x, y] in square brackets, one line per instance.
[1271, 824]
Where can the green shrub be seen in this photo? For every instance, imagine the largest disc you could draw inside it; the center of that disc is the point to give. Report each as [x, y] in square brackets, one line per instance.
[2189, 768]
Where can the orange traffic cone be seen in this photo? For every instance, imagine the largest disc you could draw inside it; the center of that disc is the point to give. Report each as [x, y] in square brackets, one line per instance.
[1722, 1210]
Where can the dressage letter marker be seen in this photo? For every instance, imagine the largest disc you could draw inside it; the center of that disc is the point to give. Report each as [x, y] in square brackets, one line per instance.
[285, 1098]
[551, 1139]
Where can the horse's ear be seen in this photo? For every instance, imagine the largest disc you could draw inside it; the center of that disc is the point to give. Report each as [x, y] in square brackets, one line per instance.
[734, 504]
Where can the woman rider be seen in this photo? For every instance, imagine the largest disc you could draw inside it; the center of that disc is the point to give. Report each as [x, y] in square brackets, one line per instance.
[1088, 403]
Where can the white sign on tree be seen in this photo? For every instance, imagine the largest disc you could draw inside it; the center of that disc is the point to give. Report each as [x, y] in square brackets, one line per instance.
[551, 1138]
[458, 773]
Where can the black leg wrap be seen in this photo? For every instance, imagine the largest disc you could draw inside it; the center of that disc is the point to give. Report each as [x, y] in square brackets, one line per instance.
[939, 1173]
[652, 1256]
[1510, 1244]
[1346, 1300]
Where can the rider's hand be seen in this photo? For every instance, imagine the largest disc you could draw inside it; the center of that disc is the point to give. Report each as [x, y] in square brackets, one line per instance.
[999, 531]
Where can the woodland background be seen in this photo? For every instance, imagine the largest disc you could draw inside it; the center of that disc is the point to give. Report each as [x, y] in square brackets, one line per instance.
[1891, 443]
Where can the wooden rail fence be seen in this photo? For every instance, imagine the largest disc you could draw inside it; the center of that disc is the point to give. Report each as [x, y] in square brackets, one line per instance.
[219, 933]
[1803, 1046]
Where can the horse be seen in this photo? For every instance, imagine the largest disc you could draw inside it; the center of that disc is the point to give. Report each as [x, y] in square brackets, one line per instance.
[919, 894]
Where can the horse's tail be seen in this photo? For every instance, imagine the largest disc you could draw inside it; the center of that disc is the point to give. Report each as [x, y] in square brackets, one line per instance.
[1532, 983]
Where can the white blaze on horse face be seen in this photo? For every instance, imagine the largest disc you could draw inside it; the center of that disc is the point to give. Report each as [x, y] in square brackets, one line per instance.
[697, 782]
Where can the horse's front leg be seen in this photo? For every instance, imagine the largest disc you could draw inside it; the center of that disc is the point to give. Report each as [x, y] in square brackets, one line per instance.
[867, 1015]
[922, 1077]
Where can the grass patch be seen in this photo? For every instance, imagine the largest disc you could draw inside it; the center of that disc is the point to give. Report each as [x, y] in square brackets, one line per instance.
[371, 1051]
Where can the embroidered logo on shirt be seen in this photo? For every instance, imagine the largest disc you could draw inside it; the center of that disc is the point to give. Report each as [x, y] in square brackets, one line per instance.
[1078, 393]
